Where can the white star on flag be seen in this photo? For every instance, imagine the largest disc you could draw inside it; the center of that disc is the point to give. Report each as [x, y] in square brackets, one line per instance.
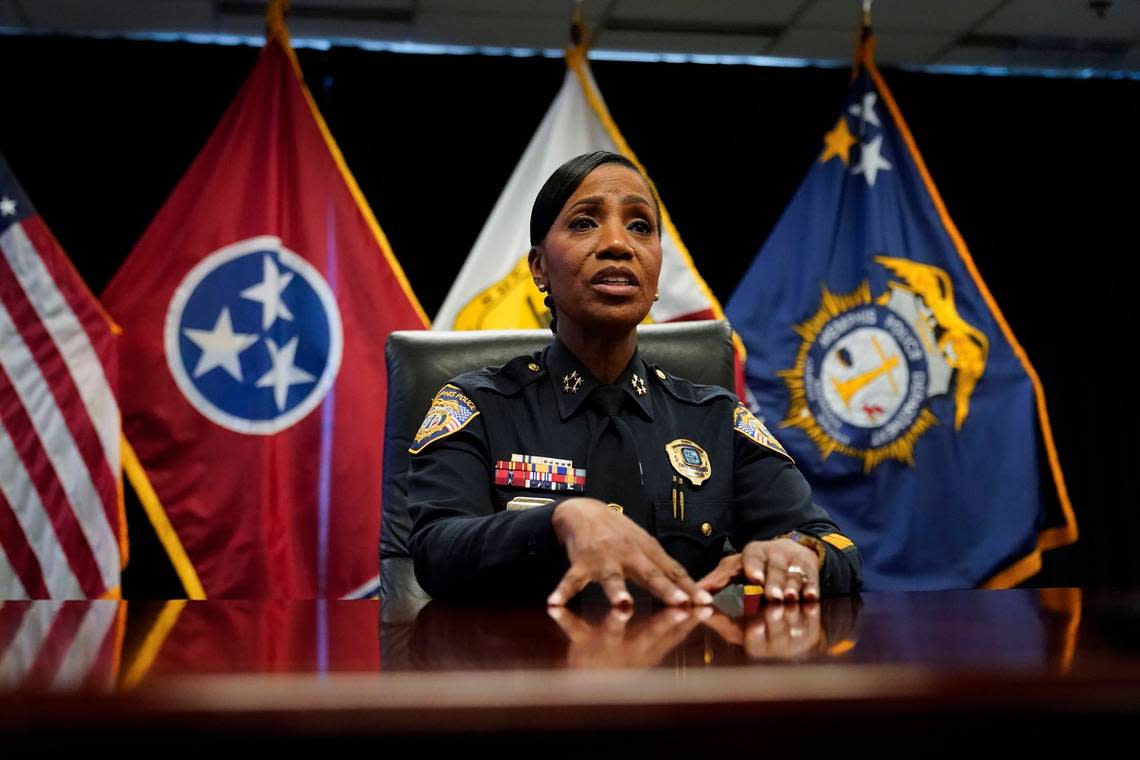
[220, 346]
[284, 372]
[268, 293]
[7, 206]
[871, 161]
[867, 110]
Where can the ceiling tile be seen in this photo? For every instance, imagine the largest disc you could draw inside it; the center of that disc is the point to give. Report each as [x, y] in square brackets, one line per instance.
[814, 43]
[707, 11]
[121, 15]
[914, 48]
[349, 29]
[10, 15]
[244, 25]
[926, 16]
[669, 42]
[1065, 18]
[839, 45]
[969, 55]
[490, 30]
[532, 8]
[406, 5]
[1063, 59]
[1031, 58]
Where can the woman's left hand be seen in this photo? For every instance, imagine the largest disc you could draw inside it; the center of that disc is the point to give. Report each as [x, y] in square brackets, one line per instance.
[787, 570]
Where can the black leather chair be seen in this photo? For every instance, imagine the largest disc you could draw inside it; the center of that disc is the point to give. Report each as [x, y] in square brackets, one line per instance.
[420, 362]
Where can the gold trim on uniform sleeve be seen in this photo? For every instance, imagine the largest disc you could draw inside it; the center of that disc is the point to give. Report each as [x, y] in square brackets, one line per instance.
[838, 540]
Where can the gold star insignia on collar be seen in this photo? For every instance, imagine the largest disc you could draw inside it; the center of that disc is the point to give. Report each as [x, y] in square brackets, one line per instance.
[572, 382]
[638, 384]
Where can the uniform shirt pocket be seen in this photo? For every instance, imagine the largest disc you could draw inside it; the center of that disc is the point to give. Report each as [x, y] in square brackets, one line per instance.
[695, 537]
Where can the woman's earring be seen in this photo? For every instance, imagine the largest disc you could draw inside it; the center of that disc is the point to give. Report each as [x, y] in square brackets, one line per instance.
[541, 286]
[657, 297]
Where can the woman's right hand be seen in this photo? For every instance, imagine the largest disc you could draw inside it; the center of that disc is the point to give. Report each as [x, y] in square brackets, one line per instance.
[609, 548]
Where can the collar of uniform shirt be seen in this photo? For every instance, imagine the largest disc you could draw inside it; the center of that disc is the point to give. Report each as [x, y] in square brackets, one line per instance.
[561, 364]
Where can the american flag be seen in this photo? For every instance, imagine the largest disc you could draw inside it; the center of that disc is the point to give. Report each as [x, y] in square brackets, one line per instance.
[58, 645]
[60, 488]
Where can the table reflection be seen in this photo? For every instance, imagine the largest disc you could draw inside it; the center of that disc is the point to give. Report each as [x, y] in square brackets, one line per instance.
[593, 635]
[60, 646]
[106, 645]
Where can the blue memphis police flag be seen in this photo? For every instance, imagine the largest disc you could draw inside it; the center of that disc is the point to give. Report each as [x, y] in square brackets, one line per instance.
[880, 360]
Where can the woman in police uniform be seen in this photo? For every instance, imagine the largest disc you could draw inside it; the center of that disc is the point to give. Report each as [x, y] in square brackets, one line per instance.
[584, 463]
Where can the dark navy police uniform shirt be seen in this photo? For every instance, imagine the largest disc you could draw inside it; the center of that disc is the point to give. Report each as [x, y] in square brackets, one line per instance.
[501, 447]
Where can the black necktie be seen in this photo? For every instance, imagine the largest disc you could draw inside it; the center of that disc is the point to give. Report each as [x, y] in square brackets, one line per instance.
[613, 472]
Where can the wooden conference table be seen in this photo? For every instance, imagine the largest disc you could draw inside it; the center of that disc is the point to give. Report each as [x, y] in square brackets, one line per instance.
[931, 673]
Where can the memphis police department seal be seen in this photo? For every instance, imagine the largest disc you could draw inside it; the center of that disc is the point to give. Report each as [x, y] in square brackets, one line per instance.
[253, 337]
[868, 367]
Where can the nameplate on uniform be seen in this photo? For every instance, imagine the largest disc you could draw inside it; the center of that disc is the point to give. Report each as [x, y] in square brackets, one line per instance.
[544, 473]
[523, 503]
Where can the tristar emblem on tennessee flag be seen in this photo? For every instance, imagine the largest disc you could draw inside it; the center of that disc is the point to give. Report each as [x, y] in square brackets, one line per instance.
[546, 473]
[690, 460]
[233, 346]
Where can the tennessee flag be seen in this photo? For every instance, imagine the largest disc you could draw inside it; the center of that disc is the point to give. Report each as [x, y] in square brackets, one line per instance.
[901, 392]
[255, 309]
[494, 289]
[61, 528]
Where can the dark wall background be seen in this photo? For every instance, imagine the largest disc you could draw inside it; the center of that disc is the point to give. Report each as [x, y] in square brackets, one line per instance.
[1039, 175]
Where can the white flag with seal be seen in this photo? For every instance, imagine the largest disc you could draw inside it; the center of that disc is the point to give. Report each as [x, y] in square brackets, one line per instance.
[494, 289]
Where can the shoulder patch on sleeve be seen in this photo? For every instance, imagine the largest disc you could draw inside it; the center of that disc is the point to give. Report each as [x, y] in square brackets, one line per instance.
[745, 423]
[450, 411]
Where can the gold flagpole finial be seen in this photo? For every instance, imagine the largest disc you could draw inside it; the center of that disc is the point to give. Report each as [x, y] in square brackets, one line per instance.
[865, 43]
[275, 11]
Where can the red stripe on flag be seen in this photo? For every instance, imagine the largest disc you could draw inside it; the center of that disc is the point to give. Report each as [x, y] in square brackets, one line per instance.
[63, 388]
[82, 302]
[20, 555]
[102, 672]
[12, 616]
[58, 642]
[30, 449]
